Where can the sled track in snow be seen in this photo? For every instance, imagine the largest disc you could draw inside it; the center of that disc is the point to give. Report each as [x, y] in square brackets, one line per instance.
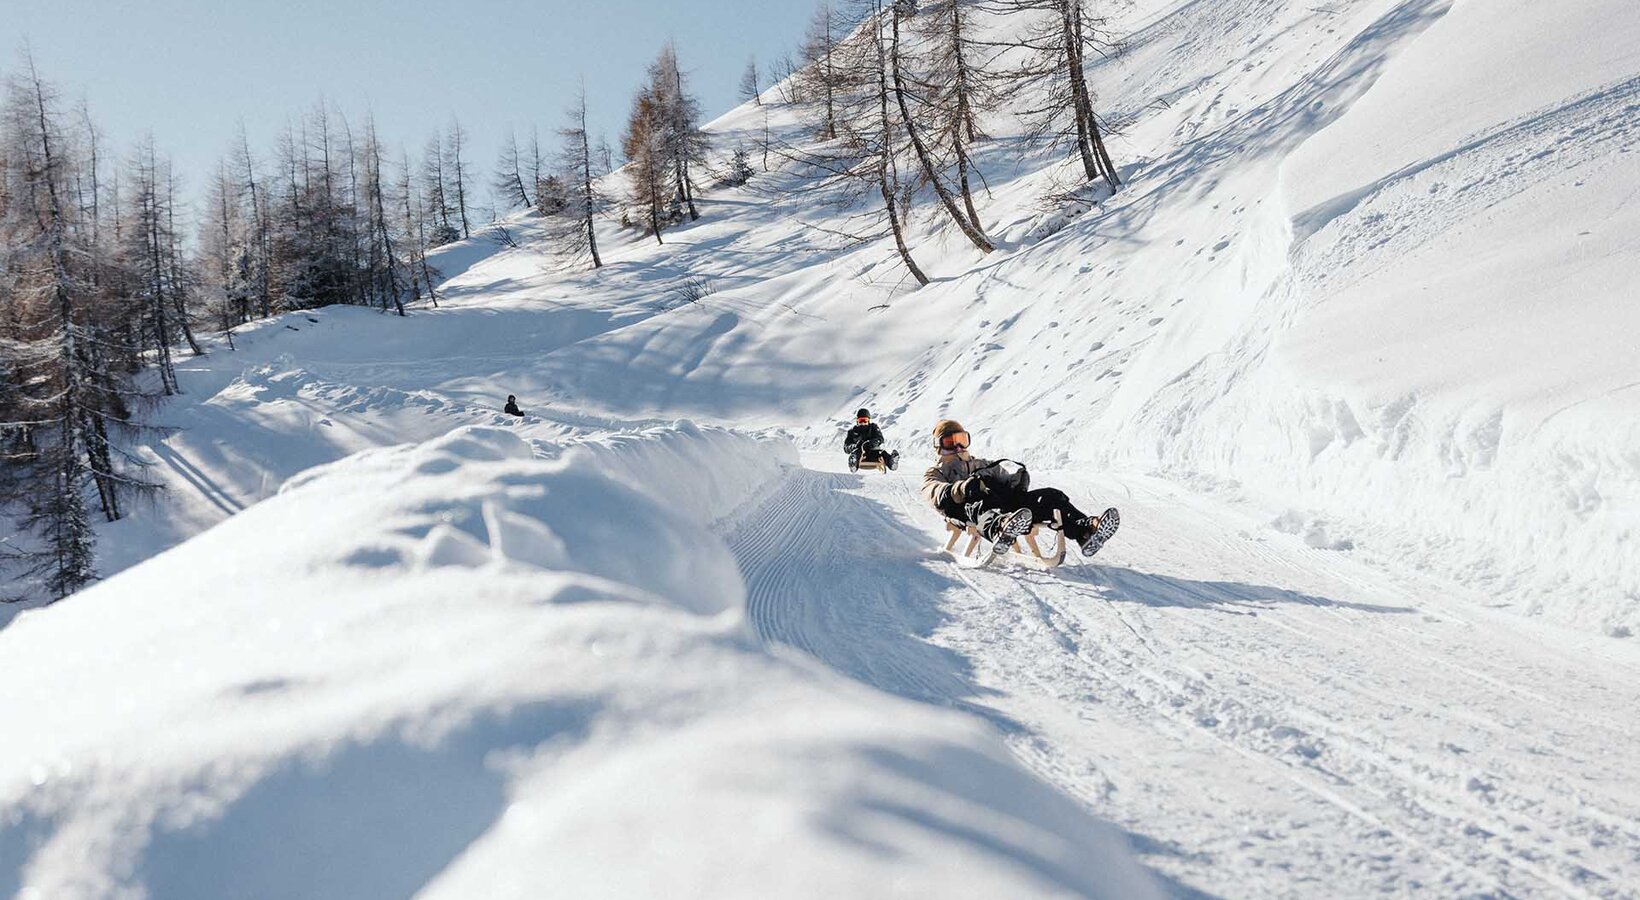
[831, 572]
[1409, 814]
[1280, 722]
[776, 546]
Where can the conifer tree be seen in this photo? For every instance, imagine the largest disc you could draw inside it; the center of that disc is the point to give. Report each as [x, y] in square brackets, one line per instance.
[383, 274]
[678, 118]
[508, 180]
[647, 169]
[438, 198]
[422, 275]
[69, 375]
[457, 170]
[146, 253]
[583, 200]
[820, 80]
[749, 89]
[259, 240]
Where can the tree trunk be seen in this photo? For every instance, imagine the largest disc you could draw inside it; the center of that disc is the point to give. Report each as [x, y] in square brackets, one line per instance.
[461, 187]
[967, 193]
[1096, 141]
[963, 128]
[175, 259]
[588, 200]
[1078, 86]
[894, 224]
[831, 80]
[156, 284]
[655, 209]
[885, 153]
[685, 191]
[381, 223]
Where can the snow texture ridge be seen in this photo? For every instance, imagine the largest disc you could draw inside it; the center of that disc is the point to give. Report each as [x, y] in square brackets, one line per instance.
[464, 670]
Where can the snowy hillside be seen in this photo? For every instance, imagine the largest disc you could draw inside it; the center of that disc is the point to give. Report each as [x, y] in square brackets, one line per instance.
[456, 678]
[1352, 349]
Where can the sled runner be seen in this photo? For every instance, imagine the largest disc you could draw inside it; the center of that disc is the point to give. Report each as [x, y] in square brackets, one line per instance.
[974, 555]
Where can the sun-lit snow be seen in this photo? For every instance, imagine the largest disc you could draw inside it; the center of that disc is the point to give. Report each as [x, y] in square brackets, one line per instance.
[1352, 349]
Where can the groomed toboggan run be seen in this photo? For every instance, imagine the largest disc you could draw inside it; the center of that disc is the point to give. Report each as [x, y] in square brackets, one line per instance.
[1367, 628]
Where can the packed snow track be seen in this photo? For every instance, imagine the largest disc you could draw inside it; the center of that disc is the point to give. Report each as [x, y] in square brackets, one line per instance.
[1264, 717]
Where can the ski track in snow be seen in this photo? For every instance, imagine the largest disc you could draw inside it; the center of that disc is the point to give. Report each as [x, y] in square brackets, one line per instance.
[1330, 734]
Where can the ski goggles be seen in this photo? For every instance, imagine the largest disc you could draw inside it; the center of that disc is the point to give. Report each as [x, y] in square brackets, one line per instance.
[862, 419]
[953, 443]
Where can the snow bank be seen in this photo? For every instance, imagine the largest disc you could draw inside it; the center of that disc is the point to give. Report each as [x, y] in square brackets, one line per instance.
[457, 669]
[710, 471]
[1439, 339]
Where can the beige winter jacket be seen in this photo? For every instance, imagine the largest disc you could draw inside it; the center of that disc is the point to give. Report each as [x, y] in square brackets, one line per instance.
[939, 479]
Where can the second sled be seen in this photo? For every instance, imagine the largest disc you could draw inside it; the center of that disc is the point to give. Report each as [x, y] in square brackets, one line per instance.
[880, 464]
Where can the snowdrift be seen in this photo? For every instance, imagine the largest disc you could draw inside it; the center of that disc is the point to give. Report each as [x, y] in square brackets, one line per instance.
[466, 668]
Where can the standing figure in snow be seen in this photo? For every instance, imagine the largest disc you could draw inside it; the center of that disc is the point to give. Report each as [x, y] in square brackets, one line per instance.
[511, 408]
[995, 495]
[864, 444]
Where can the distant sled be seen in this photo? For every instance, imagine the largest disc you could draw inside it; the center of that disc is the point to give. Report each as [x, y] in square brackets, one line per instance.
[979, 553]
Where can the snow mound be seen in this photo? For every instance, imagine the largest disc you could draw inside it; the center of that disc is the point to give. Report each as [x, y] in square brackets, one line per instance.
[466, 668]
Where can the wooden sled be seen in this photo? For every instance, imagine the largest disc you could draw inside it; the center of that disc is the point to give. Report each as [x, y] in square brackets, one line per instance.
[975, 555]
[880, 464]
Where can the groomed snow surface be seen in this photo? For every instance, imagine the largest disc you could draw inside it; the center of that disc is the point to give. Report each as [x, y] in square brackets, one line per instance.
[1352, 350]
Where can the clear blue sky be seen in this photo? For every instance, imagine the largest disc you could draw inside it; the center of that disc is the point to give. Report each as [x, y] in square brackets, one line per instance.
[189, 70]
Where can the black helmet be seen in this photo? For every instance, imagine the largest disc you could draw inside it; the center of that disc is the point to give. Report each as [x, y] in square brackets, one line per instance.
[862, 413]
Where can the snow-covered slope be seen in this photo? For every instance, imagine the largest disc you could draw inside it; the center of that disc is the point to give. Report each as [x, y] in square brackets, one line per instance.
[1352, 348]
[1437, 347]
[457, 669]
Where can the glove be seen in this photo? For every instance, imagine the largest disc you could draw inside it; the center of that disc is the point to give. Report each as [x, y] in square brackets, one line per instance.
[969, 489]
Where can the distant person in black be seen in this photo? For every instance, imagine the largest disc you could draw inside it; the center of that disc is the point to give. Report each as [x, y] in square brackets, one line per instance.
[511, 408]
[864, 443]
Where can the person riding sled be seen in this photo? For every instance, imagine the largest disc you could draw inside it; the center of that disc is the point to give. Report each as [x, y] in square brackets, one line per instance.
[996, 496]
[864, 443]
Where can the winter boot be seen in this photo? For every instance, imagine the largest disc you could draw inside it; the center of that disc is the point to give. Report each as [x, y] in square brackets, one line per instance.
[1101, 530]
[893, 460]
[1003, 528]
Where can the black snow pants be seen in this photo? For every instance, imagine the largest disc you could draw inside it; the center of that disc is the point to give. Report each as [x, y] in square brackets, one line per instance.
[1041, 502]
[868, 451]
